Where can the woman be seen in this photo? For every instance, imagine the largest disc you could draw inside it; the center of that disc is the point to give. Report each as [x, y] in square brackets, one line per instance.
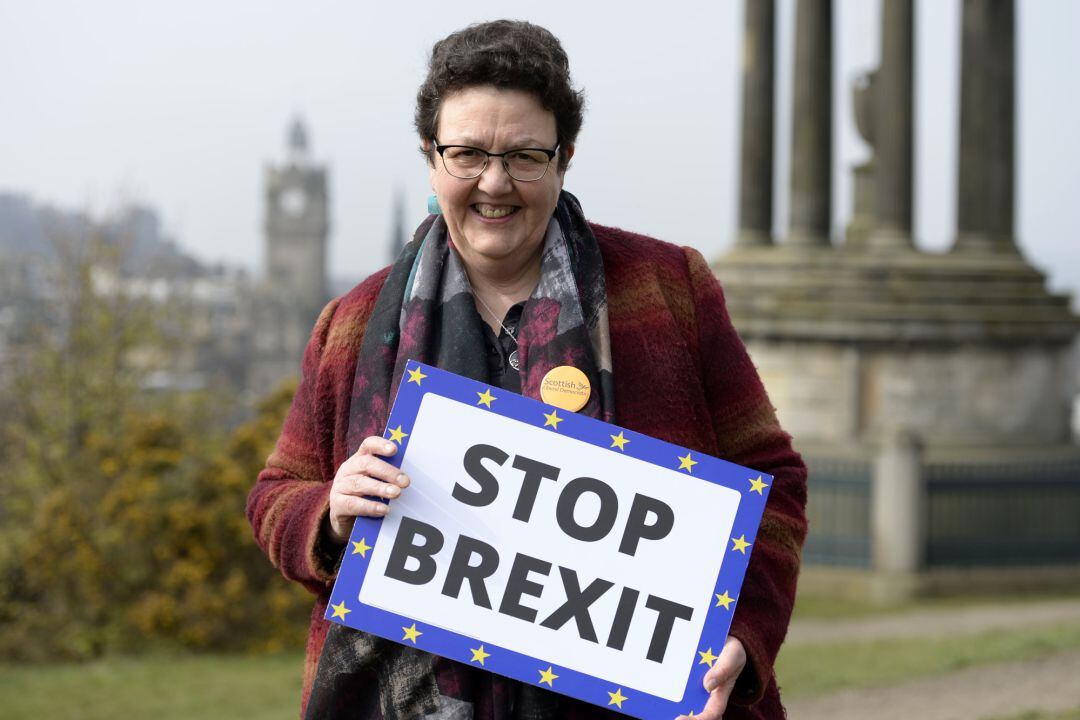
[507, 282]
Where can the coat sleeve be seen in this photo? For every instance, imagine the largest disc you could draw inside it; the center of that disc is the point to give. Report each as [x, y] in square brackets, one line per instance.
[749, 434]
[290, 499]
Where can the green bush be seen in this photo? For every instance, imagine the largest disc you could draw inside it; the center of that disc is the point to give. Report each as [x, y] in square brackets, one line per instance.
[122, 521]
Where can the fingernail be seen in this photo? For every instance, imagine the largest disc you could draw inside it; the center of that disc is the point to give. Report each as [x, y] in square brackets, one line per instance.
[393, 491]
[403, 480]
[390, 448]
[383, 509]
[711, 684]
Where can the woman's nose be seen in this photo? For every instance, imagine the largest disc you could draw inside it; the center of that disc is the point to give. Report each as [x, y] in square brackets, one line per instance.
[495, 180]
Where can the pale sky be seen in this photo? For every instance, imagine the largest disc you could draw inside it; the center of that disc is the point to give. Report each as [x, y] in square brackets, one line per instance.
[181, 105]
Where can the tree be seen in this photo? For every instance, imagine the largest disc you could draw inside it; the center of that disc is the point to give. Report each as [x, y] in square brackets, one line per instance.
[122, 510]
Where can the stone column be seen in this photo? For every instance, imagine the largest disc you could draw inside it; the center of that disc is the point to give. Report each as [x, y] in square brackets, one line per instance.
[893, 110]
[756, 164]
[898, 505]
[811, 147]
[863, 215]
[987, 129]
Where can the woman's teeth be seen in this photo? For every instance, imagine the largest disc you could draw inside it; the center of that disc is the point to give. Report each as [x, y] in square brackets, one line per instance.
[495, 211]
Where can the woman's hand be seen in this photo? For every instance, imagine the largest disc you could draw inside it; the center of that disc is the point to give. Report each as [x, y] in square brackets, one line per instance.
[720, 680]
[363, 474]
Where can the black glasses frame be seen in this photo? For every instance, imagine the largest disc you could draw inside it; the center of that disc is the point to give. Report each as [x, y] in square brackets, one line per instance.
[502, 156]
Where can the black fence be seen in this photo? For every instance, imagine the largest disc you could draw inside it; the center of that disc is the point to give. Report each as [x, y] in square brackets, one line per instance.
[978, 514]
[1002, 514]
[838, 510]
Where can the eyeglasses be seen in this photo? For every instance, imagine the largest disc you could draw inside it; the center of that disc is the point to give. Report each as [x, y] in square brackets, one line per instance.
[522, 164]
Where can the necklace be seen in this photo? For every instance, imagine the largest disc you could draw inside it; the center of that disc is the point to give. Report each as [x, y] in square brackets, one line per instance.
[514, 362]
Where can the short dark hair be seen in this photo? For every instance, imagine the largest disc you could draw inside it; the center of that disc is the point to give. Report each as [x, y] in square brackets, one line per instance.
[510, 54]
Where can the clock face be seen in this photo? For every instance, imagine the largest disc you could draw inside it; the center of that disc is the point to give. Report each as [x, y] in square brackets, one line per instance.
[293, 201]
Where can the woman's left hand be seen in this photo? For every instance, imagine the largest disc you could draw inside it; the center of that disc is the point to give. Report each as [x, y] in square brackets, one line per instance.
[720, 680]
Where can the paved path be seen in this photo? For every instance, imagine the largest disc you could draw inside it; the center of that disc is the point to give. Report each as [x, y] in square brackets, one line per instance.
[1048, 685]
[968, 620]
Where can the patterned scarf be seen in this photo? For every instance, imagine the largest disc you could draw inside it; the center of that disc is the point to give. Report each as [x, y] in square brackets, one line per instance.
[426, 312]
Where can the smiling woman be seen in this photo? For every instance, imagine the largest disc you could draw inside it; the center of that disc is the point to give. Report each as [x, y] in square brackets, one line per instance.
[496, 221]
[507, 283]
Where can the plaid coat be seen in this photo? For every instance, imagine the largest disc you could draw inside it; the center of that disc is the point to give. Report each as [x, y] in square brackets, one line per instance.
[681, 374]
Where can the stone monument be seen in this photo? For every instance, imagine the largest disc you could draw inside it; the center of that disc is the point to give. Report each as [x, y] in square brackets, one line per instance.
[870, 344]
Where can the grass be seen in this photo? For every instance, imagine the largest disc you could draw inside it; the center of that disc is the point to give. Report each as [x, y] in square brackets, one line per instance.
[809, 607]
[205, 687]
[812, 607]
[1073, 714]
[214, 687]
[817, 669]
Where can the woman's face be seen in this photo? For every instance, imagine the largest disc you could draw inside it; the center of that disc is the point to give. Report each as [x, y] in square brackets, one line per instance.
[496, 222]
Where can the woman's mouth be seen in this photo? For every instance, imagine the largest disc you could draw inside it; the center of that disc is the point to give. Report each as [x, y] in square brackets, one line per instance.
[494, 212]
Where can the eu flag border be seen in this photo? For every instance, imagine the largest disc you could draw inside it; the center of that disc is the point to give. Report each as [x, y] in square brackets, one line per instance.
[345, 607]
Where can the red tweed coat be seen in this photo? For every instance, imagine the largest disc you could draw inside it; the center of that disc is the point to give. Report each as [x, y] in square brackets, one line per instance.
[681, 374]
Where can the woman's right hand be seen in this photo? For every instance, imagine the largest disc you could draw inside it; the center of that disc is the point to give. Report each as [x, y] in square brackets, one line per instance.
[363, 474]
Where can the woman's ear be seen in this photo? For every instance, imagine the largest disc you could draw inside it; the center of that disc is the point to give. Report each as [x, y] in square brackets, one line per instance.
[570, 152]
[567, 152]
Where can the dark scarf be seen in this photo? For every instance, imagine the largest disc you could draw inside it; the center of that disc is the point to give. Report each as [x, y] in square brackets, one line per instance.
[426, 312]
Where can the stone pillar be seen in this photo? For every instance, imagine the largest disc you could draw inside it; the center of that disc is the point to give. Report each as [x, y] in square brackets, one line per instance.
[852, 387]
[898, 506]
[863, 215]
[892, 117]
[756, 164]
[811, 147]
[987, 129]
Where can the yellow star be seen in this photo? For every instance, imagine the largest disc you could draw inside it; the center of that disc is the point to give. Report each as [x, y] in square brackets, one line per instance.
[340, 611]
[756, 485]
[546, 676]
[739, 544]
[416, 375]
[707, 658]
[619, 441]
[397, 435]
[360, 548]
[553, 419]
[685, 463]
[485, 398]
[724, 600]
[617, 698]
[478, 654]
[411, 633]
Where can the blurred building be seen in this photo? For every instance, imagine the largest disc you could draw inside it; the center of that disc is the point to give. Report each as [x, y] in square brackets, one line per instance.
[201, 312]
[931, 393]
[234, 332]
[294, 288]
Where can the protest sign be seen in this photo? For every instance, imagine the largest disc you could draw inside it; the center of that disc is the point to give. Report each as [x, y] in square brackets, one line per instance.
[552, 548]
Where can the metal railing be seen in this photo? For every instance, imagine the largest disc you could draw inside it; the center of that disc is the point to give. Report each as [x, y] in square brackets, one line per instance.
[976, 513]
[1002, 514]
[838, 511]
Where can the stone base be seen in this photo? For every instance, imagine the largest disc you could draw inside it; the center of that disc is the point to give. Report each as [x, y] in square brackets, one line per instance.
[837, 294]
[889, 240]
[892, 589]
[964, 348]
[951, 395]
[979, 243]
[748, 238]
[807, 241]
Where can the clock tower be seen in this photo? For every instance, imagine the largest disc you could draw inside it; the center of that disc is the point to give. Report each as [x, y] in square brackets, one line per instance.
[297, 224]
[294, 288]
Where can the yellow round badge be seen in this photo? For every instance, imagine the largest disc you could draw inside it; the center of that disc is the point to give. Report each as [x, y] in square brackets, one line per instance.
[565, 387]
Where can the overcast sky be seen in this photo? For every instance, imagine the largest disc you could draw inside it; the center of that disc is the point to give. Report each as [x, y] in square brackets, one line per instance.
[181, 105]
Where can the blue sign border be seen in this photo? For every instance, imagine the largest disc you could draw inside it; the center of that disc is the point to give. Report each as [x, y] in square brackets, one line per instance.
[753, 486]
